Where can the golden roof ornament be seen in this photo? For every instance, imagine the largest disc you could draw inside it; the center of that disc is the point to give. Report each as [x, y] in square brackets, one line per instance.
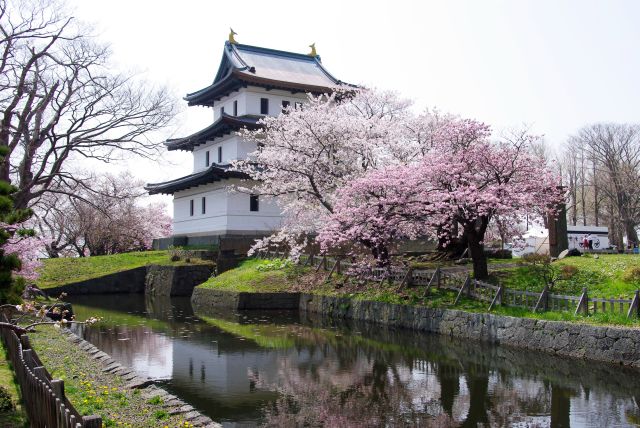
[313, 50]
[231, 38]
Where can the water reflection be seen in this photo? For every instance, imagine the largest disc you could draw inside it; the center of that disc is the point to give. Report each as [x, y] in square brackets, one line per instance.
[287, 369]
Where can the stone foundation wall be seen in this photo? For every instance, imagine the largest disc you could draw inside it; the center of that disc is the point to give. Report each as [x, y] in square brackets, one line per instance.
[175, 280]
[616, 345]
[130, 281]
[203, 298]
[160, 280]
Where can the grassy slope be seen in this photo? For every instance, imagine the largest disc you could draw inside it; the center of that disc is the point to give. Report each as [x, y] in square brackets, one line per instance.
[248, 277]
[16, 418]
[603, 276]
[268, 275]
[56, 272]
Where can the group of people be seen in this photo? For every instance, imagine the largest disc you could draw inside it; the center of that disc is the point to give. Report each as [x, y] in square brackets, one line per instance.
[587, 242]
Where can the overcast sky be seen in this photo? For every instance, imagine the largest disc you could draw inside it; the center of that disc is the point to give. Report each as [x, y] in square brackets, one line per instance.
[555, 65]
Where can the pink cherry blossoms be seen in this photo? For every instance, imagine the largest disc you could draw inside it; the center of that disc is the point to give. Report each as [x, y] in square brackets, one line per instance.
[448, 192]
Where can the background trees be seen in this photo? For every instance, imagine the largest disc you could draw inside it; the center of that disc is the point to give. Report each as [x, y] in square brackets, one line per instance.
[107, 217]
[61, 102]
[601, 167]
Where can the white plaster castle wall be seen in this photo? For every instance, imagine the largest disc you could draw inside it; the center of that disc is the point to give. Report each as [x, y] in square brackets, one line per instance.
[227, 211]
[233, 147]
[275, 97]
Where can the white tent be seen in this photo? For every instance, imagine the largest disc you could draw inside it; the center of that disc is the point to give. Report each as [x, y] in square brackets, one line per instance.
[535, 240]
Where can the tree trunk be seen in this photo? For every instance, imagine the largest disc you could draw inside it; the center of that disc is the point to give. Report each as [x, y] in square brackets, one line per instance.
[630, 231]
[476, 251]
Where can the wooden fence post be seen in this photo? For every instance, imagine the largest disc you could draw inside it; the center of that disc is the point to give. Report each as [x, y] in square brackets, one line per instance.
[24, 341]
[57, 385]
[91, 422]
[465, 286]
[583, 303]
[497, 299]
[336, 265]
[634, 308]
[543, 300]
[435, 277]
[406, 280]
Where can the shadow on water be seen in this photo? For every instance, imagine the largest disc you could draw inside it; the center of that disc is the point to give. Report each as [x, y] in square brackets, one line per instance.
[282, 368]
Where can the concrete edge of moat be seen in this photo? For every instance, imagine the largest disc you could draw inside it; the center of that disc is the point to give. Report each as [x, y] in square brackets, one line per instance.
[616, 345]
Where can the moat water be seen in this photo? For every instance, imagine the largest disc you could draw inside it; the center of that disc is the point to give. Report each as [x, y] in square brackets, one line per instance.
[288, 369]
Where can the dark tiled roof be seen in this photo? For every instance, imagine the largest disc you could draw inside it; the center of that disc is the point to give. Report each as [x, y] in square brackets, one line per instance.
[212, 174]
[244, 65]
[225, 124]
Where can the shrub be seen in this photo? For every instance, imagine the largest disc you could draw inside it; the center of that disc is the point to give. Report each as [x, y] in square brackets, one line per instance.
[568, 271]
[6, 405]
[632, 274]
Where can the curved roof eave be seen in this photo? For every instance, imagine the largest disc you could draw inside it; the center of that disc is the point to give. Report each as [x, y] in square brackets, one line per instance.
[224, 125]
[210, 175]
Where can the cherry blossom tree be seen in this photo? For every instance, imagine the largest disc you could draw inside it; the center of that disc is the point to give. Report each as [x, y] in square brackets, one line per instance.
[307, 154]
[447, 194]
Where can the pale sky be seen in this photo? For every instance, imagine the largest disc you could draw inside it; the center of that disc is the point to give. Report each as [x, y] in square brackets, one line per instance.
[555, 65]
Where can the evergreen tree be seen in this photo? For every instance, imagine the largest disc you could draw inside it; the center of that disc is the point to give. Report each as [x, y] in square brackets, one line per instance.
[10, 220]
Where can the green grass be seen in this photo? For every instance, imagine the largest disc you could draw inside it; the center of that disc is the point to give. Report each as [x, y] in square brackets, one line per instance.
[255, 275]
[61, 271]
[603, 277]
[16, 418]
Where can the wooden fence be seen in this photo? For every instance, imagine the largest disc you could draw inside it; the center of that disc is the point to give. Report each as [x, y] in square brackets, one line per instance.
[44, 399]
[456, 280]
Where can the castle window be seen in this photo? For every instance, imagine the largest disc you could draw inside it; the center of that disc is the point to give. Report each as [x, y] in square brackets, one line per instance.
[219, 154]
[204, 205]
[206, 158]
[235, 108]
[221, 111]
[254, 203]
[285, 104]
[298, 106]
[191, 207]
[264, 105]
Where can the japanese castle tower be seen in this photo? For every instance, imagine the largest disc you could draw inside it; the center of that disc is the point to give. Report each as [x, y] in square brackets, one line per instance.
[251, 82]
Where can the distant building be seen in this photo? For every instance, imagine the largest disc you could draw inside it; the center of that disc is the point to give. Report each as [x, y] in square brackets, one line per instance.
[251, 82]
[599, 237]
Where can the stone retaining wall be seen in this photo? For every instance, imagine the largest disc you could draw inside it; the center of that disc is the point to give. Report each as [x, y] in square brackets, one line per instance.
[129, 281]
[616, 345]
[175, 280]
[203, 298]
[161, 280]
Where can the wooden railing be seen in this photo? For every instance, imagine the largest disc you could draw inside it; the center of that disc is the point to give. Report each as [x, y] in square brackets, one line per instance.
[44, 399]
[465, 286]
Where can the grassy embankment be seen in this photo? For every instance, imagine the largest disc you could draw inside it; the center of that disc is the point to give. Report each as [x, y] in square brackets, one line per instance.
[16, 417]
[93, 392]
[61, 271]
[274, 275]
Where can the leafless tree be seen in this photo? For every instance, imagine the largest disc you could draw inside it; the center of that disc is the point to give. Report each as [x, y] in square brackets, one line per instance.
[614, 153]
[60, 101]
